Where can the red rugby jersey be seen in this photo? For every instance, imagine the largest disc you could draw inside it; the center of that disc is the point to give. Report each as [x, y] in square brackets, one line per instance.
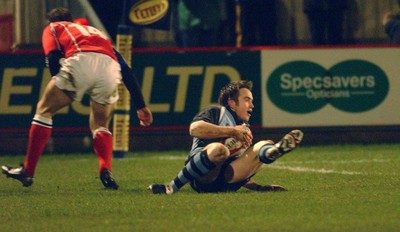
[71, 38]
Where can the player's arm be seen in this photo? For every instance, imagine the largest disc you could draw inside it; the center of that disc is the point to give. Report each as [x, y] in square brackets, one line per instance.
[51, 50]
[205, 130]
[53, 61]
[143, 112]
[130, 82]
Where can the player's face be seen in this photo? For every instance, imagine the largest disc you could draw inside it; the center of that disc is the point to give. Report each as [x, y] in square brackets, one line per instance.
[244, 107]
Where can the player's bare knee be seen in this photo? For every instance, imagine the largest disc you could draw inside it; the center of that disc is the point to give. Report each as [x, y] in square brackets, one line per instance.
[217, 152]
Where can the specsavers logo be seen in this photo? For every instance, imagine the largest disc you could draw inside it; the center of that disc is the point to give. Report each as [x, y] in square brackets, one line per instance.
[304, 87]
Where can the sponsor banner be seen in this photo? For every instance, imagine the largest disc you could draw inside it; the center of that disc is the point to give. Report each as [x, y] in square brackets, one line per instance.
[175, 85]
[23, 79]
[330, 87]
[153, 14]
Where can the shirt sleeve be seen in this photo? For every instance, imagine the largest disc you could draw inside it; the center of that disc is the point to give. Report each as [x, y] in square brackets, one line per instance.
[49, 42]
[210, 114]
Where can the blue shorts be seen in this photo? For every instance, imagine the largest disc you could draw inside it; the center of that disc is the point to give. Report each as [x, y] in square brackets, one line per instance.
[219, 184]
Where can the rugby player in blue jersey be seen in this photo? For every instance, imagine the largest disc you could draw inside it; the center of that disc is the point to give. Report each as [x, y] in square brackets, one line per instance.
[223, 158]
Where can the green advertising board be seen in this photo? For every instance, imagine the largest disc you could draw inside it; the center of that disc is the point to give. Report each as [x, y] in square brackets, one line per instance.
[327, 87]
[304, 87]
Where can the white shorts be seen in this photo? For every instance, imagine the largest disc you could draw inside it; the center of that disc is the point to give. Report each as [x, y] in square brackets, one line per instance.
[90, 73]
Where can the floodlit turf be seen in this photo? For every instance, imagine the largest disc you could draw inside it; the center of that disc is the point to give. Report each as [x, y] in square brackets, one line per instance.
[331, 188]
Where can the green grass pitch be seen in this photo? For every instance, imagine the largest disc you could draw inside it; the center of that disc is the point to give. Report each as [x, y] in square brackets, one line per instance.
[331, 188]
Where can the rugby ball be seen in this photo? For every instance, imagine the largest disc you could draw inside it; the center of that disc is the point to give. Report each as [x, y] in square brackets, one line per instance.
[235, 146]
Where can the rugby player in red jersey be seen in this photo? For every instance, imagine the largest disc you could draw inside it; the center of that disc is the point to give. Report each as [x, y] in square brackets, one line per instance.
[81, 61]
[143, 112]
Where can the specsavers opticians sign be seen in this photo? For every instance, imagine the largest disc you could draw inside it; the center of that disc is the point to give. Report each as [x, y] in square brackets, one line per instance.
[328, 87]
[304, 86]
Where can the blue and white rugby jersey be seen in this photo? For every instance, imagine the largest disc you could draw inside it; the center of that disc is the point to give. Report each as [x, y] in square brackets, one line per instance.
[218, 115]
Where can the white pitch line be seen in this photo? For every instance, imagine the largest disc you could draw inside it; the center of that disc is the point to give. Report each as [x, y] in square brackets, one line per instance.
[291, 168]
[172, 157]
[340, 161]
[323, 170]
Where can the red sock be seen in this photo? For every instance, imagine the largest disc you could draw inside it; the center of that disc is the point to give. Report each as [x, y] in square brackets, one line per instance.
[103, 145]
[39, 134]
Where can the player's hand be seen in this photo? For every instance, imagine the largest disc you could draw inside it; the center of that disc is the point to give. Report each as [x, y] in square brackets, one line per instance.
[263, 188]
[145, 116]
[271, 188]
[244, 134]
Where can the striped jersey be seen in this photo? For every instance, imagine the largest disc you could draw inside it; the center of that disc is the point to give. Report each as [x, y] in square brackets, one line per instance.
[71, 38]
[218, 115]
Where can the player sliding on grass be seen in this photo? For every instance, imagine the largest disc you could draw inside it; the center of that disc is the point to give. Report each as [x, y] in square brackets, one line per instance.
[214, 163]
[81, 61]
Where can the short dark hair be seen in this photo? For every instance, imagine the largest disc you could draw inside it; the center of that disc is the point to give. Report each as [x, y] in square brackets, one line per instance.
[59, 14]
[231, 91]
